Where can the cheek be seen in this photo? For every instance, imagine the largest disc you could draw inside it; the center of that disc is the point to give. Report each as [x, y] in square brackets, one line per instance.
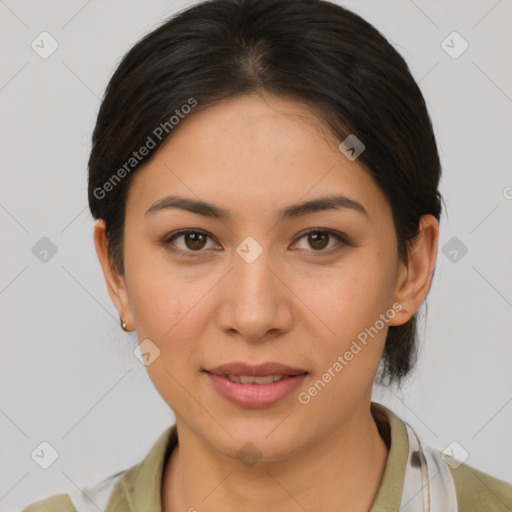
[345, 309]
[349, 298]
[169, 306]
[169, 314]
[156, 293]
[348, 352]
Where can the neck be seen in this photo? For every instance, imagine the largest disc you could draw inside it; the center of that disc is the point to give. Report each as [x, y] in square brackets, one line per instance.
[345, 468]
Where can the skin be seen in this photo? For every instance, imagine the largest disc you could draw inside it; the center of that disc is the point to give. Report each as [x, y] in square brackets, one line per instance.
[297, 304]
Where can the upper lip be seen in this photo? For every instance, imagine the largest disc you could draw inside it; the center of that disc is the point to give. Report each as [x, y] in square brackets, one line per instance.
[258, 370]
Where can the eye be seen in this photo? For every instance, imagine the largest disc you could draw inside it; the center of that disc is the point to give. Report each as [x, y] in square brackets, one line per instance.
[193, 240]
[318, 239]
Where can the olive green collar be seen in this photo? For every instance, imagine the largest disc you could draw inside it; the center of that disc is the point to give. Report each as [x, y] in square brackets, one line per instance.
[139, 488]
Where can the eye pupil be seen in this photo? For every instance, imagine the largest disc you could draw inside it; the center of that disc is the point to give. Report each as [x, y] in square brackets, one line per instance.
[196, 239]
[315, 238]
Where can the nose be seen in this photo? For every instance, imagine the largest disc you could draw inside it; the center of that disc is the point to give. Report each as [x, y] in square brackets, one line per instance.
[256, 301]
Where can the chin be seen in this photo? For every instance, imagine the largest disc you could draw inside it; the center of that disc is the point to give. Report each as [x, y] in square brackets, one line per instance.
[266, 439]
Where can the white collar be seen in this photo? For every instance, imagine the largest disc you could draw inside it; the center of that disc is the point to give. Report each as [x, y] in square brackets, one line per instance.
[428, 483]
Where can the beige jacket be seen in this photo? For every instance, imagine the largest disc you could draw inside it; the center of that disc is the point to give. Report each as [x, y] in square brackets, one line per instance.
[137, 489]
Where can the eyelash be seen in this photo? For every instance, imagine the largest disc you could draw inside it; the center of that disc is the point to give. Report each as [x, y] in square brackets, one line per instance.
[341, 238]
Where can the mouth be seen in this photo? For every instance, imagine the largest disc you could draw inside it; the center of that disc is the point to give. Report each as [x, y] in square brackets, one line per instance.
[251, 379]
[255, 386]
[242, 369]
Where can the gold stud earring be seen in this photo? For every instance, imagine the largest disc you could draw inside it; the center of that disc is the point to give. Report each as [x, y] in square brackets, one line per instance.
[123, 325]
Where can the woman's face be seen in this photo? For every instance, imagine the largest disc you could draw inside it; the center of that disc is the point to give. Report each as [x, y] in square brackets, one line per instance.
[250, 287]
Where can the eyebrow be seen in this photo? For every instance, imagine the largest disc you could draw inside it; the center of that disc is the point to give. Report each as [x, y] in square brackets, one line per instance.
[199, 207]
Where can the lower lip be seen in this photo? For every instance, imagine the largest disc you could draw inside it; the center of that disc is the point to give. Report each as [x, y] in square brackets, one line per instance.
[255, 395]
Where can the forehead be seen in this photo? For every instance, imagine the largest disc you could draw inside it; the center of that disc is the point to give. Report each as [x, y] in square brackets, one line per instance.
[252, 155]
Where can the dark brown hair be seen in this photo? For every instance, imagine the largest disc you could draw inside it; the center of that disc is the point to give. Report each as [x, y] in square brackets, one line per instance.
[312, 50]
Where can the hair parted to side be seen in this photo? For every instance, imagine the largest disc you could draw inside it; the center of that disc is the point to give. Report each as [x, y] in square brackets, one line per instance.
[312, 50]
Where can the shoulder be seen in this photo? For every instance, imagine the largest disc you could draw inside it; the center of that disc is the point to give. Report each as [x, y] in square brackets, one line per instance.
[56, 503]
[89, 499]
[114, 492]
[477, 491]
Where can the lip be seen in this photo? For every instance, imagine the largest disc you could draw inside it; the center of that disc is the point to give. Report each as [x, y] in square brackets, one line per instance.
[259, 370]
[254, 396]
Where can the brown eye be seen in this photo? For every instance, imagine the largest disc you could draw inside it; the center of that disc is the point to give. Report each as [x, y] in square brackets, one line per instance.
[195, 240]
[318, 240]
[187, 241]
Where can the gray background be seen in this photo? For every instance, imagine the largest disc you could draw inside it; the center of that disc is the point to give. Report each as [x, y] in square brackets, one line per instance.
[68, 375]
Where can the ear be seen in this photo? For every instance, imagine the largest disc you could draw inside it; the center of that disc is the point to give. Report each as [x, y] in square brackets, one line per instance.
[115, 282]
[414, 278]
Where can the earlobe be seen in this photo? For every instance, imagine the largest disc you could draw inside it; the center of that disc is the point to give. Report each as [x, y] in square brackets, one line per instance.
[115, 282]
[414, 279]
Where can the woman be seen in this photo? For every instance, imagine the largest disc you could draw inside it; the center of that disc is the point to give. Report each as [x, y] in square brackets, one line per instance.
[264, 176]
